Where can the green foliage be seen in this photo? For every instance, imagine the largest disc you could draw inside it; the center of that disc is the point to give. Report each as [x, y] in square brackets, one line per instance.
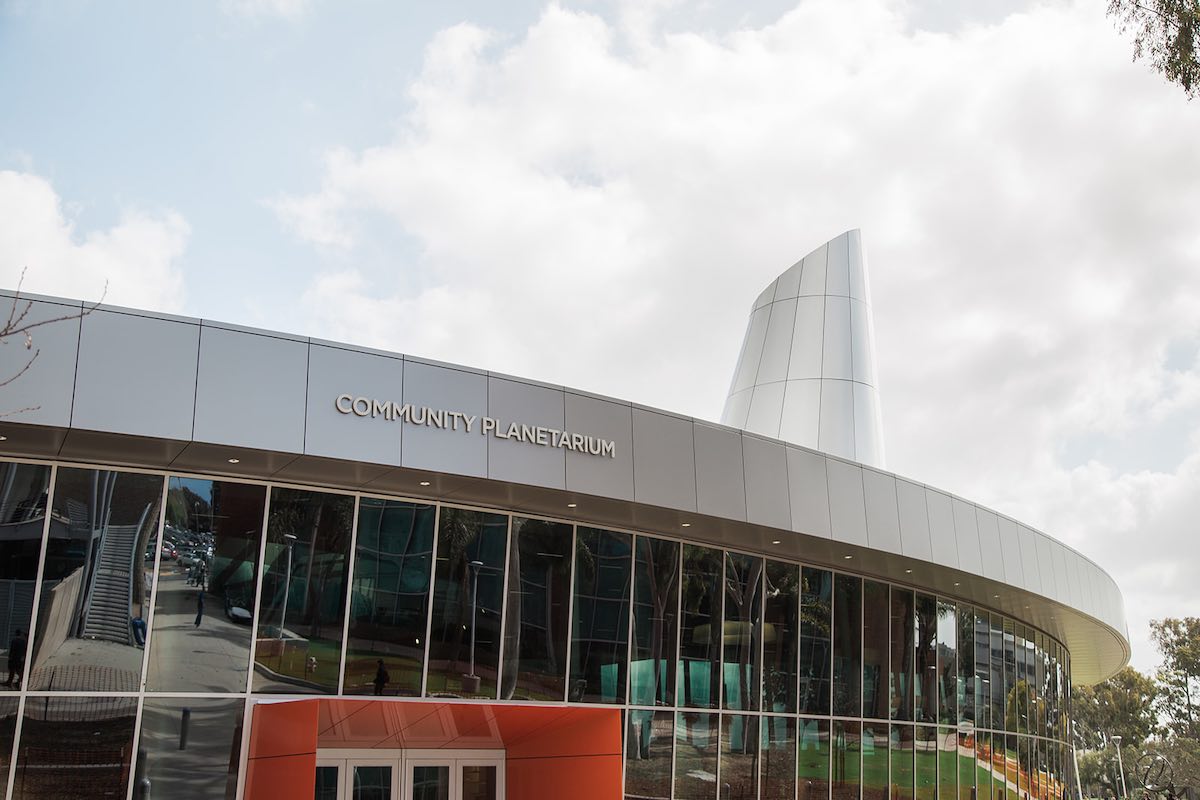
[1121, 706]
[1167, 33]
[1179, 676]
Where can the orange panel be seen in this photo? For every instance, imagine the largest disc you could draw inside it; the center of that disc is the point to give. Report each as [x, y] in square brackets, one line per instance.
[572, 732]
[281, 777]
[576, 777]
[283, 729]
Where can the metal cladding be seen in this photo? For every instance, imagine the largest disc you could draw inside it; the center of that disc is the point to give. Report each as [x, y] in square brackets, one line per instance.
[806, 373]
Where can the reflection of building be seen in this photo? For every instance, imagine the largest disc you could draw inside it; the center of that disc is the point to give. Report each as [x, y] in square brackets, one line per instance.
[430, 563]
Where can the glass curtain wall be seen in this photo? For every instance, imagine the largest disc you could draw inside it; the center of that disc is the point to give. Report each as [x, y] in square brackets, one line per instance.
[781, 637]
[600, 627]
[655, 622]
[24, 490]
[742, 632]
[538, 610]
[816, 639]
[700, 598]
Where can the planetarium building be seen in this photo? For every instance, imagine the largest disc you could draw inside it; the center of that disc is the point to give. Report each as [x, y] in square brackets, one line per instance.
[243, 564]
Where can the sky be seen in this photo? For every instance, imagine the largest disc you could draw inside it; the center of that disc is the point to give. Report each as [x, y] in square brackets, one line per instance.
[593, 193]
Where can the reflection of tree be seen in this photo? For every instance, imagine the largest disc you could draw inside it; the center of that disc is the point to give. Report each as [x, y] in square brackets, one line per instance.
[658, 566]
[1020, 700]
[321, 524]
[458, 529]
[781, 581]
[743, 576]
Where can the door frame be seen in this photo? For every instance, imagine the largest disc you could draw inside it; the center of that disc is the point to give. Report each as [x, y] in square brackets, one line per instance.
[402, 760]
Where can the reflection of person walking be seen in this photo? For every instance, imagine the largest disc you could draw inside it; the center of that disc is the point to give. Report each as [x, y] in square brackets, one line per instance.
[16, 658]
[381, 677]
[199, 607]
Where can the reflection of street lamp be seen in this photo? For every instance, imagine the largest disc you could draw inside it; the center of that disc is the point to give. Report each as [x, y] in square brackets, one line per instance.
[1121, 766]
[472, 680]
[289, 539]
[1075, 757]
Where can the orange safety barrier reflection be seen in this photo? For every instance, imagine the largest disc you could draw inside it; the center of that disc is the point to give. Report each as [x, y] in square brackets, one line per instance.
[551, 751]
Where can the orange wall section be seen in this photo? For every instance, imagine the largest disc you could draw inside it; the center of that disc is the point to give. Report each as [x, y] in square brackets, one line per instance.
[282, 761]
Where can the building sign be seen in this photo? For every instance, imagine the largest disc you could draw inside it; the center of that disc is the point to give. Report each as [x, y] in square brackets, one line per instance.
[466, 423]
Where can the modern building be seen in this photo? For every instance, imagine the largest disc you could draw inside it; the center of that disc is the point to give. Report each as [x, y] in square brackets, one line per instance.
[238, 563]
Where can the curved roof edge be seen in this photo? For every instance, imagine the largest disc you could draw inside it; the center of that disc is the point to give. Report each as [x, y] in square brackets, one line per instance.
[137, 388]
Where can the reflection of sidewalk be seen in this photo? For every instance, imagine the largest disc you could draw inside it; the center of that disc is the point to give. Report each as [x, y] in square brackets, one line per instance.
[214, 656]
[78, 666]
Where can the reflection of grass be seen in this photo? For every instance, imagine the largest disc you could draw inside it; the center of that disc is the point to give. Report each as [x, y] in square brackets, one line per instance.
[405, 673]
[290, 658]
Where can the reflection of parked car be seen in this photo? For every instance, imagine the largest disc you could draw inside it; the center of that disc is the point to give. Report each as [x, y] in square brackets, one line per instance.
[169, 553]
[236, 611]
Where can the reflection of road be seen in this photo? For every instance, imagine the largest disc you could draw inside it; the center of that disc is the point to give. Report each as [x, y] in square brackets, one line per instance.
[213, 657]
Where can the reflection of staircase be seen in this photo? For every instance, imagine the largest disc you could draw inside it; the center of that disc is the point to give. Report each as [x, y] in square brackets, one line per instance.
[110, 596]
[16, 606]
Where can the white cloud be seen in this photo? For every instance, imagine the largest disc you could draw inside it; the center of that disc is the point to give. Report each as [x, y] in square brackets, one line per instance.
[137, 257]
[597, 203]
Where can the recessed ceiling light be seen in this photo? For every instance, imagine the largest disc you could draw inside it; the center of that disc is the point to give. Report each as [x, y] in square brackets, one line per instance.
[235, 461]
[995, 597]
[847, 557]
[685, 525]
[908, 572]
[956, 583]
[3, 438]
[774, 541]
[572, 505]
[424, 483]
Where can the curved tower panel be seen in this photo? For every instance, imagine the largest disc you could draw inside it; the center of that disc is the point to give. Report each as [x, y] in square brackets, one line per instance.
[806, 373]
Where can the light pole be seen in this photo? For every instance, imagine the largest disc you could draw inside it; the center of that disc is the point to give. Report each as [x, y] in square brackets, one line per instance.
[1075, 757]
[289, 539]
[473, 679]
[1121, 766]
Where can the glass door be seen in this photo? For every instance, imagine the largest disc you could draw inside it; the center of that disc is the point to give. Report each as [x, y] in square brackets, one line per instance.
[353, 778]
[454, 775]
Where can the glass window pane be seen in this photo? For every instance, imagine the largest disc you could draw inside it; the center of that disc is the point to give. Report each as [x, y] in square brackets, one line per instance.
[190, 748]
[75, 747]
[1011, 711]
[816, 622]
[1022, 688]
[303, 593]
[478, 783]
[966, 665]
[600, 631]
[947, 662]
[695, 755]
[903, 649]
[739, 757]
[326, 784]
[431, 783]
[903, 750]
[966, 766]
[23, 489]
[655, 622]
[539, 604]
[847, 646]
[812, 770]
[742, 631]
[700, 612]
[1010, 767]
[210, 548]
[96, 584]
[996, 684]
[781, 636]
[876, 626]
[8, 727]
[847, 760]
[468, 597]
[372, 783]
[648, 754]
[389, 598]
[925, 767]
[947, 758]
[778, 757]
[983, 765]
[983, 680]
[925, 685]
[875, 761]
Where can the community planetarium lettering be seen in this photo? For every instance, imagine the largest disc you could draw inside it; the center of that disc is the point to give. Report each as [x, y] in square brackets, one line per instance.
[458, 421]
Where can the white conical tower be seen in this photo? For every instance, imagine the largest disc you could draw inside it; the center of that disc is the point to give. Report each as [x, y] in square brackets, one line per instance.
[807, 369]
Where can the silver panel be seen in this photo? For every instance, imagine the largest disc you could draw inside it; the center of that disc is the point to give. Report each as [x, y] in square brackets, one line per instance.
[512, 402]
[1029, 559]
[970, 557]
[752, 347]
[664, 458]
[608, 477]
[883, 514]
[862, 343]
[1010, 550]
[251, 390]
[1045, 564]
[42, 394]
[737, 409]
[837, 274]
[778, 344]
[329, 433]
[914, 520]
[837, 419]
[425, 448]
[787, 285]
[809, 486]
[807, 337]
[720, 478]
[989, 544]
[766, 296]
[801, 413]
[847, 507]
[868, 434]
[766, 409]
[812, 282]
[136, 375]
[1062, 583]
[941, 529]
[767, 494]
[859, 289]
[837, 354]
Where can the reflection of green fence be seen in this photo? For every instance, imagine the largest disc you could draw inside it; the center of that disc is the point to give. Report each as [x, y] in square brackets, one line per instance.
[642, 691]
